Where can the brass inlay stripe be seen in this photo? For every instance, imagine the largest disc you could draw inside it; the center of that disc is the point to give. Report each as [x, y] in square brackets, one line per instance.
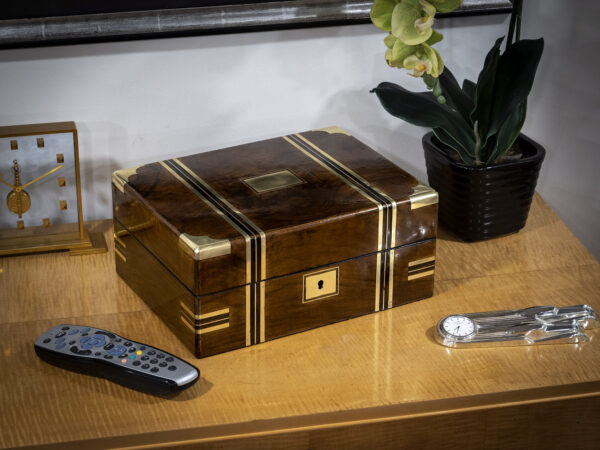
[215, 328]
[251, 232]
[212, 314]
[245, 235]
[421, 261]
[359, 183]
[213, 324]
[204, 330]
[391, 278]
[420, 275]
[391, 203]
[368, 197]
[187, 324]
[187, 310]
[120, 255]
[119, 240]
[213, 321]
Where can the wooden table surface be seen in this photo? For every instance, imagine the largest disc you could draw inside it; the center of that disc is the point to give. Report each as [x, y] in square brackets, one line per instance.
[378, 379]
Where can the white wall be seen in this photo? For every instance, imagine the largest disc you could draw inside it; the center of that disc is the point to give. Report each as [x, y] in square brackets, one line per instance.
[141, 101]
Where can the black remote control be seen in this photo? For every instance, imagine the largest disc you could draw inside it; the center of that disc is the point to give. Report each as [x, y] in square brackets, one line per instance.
[104, 354]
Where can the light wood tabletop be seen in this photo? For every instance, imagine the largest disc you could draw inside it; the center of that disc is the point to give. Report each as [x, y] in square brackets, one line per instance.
[378, 380]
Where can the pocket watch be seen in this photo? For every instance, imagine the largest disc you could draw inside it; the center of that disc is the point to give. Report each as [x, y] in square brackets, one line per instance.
[40, 191]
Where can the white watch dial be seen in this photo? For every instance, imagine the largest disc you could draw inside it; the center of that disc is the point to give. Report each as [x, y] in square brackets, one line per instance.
[459, 326]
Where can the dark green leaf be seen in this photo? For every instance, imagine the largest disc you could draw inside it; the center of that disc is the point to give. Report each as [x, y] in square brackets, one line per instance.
[484, 91]
[515, 75]
[423, 109]
[468, 88]
[455, 97]
[508, 132]
[446, 139]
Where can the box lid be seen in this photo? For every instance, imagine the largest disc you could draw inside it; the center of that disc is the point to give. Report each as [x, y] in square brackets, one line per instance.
[248, 213]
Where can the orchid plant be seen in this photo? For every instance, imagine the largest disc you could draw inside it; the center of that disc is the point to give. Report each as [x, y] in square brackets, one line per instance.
[479, 122]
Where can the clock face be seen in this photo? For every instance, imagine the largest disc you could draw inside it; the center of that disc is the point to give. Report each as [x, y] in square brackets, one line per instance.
[38, 193]
[459, 326]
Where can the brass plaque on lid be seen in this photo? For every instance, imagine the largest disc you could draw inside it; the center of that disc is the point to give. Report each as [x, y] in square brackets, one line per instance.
[273, 181]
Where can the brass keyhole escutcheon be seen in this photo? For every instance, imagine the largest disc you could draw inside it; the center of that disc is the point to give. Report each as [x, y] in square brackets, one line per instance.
[320, 284]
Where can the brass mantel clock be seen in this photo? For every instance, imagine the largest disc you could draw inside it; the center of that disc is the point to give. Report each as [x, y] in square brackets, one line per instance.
[40, 191]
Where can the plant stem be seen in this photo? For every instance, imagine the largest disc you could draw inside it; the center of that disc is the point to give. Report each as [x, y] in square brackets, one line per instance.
[519, 15]
[515, 21]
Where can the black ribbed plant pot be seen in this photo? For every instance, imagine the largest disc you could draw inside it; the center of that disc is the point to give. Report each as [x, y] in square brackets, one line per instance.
[477, 203]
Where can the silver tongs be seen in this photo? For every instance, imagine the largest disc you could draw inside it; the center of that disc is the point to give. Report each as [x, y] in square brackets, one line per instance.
[535, 325]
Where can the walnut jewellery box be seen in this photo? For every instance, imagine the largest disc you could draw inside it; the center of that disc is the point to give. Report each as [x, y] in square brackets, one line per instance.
[240, 246]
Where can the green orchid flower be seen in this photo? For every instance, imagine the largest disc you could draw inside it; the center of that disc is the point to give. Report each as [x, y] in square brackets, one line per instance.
[421, 59]
[445, 6]
[412, 20]
[409, 24]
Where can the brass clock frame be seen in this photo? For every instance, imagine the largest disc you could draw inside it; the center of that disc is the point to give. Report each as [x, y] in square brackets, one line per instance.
[78, 242]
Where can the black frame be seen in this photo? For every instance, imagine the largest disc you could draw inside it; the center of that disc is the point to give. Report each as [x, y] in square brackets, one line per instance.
[162, 23]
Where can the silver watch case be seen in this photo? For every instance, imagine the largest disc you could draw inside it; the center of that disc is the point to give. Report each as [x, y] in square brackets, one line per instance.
[529, 326]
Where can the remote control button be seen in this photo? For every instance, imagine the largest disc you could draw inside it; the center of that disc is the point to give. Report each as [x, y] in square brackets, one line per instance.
[97, 353]
[136, 363]
[61, 345]
[60, 334]
[124, 360]
[84, 334]
[145, 358]
[45, 341]
[160, 355]
[108, 346]
[85, 330]
[163, 364]
[118, 340]
[172, 368]
[131, 356]
[151, 352]
[154, 369]
[117, 350]
[108, 356]
[59, 340]
[169, 359]
[127, 344]
[131, 349]
[72, 342]
[145, 366]
[64, 328]
[139, 352]
[106, 333]
[153, 361]
[80, 352]
[143, 347]
[73, 331]
[89, 341]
